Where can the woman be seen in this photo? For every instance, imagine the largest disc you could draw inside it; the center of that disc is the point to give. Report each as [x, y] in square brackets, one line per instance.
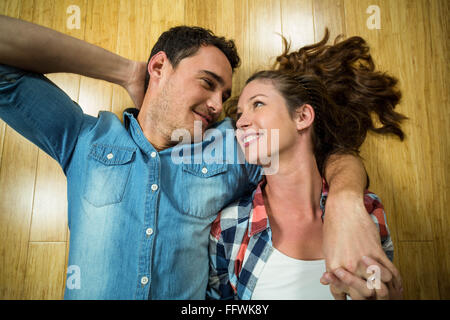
[319, 101]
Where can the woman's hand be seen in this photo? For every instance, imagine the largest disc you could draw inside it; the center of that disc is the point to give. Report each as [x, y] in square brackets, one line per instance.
[136, 82]
[380, 285]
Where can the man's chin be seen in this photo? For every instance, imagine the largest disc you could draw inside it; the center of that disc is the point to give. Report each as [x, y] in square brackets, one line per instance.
[188, 134]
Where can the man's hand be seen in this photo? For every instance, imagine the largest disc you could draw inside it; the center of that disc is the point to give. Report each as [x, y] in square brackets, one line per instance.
[136, 82]
[343, 283]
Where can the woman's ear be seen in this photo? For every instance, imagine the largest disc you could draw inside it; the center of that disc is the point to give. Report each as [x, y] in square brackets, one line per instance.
[304, 117]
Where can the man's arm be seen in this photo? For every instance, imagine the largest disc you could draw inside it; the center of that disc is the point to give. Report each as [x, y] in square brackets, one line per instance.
[349, 232]
[35, 48]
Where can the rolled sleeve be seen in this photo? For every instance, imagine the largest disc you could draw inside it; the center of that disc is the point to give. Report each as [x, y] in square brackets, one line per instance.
[376, 210]
[40, 111]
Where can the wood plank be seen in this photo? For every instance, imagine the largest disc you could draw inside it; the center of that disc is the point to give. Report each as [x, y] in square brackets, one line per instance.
[297, 22]
[50, 202]
[2, 138]
[9, 8]
[328, 13]
[410, 35]
[263, 41]
[133, 42]
[202, 13]
[17, 176]
[45, 277]
[418, 270]
[439, 124]
[101, 30]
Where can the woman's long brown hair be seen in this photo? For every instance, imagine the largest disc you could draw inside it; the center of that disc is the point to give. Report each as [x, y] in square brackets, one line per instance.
[340, 82]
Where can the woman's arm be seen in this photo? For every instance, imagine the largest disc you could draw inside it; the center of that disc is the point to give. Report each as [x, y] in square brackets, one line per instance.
[39, 49]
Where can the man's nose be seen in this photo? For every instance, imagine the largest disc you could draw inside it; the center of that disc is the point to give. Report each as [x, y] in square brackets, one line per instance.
[215, 104]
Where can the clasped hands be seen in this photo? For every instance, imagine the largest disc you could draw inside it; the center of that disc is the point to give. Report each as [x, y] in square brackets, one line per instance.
[352, 249]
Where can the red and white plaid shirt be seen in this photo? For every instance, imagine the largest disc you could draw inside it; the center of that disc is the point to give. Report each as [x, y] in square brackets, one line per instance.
[241, 243]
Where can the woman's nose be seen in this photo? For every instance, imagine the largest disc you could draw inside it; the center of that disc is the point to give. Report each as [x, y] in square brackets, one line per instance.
[243, 121]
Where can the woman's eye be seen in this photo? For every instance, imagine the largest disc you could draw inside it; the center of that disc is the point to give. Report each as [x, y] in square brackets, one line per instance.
[258, 104]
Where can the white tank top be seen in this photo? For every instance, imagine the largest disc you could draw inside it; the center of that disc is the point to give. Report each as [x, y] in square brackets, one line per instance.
[286, 278]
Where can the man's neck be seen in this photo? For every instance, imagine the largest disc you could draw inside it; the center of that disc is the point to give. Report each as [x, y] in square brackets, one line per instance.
[151, 130]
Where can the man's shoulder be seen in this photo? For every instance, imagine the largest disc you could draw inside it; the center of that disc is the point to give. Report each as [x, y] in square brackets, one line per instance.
[106, 128]
[105, 121]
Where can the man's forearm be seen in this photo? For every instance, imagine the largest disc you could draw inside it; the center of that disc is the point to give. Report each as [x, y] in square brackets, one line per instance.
[32, 47]
[346, 174]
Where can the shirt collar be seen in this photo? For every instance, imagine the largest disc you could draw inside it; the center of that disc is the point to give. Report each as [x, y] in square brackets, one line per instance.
[132, 125]
[259, 220]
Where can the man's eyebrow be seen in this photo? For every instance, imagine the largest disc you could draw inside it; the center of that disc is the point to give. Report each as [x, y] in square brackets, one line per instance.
[218, 78]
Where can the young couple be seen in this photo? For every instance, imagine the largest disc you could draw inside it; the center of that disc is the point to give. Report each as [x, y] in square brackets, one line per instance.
[140, 224]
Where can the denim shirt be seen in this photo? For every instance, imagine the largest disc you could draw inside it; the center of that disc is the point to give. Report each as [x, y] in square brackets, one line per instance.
[139, 222]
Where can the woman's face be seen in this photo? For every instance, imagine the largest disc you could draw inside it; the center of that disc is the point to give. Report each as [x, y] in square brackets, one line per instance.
[264, 128]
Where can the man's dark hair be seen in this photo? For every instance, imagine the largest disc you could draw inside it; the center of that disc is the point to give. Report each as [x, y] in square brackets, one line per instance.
[183, 41]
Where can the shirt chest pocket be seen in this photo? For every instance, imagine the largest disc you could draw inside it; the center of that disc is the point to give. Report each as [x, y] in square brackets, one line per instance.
[206, 189]
[107, 173]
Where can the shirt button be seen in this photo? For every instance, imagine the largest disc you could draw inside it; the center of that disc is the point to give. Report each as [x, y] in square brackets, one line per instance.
[154, 187]
[204, 170]
[144, 280]
[149, 231]
[153, 154]
[110, 156]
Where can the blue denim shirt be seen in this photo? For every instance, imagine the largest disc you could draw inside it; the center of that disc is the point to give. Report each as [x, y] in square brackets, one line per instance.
[139, 222]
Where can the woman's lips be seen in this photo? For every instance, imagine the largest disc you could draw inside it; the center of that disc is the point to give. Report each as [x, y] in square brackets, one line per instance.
[248, 139]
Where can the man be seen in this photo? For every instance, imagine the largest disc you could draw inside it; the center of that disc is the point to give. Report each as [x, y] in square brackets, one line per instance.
[139, 222]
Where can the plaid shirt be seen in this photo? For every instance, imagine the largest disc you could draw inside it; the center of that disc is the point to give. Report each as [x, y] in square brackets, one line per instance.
[241, 243]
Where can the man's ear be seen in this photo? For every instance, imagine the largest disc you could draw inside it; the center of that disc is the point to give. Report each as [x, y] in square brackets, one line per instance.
[304, 117]
[157, 64]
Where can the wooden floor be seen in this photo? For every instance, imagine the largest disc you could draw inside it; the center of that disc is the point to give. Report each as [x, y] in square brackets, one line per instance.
[412, 178]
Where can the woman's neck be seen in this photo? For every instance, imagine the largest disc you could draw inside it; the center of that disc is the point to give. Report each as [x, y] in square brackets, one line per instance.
[292, 200]
[296, 185]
